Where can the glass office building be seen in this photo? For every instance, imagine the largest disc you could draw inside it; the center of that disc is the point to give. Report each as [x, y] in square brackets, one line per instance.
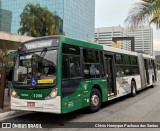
[78, 16]
[5, 20]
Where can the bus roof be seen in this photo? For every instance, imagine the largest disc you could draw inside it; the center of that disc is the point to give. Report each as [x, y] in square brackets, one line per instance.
[148, 56]
[102, 47]
[117, 50]
[90, 45]
[41, 38]
[107, 48]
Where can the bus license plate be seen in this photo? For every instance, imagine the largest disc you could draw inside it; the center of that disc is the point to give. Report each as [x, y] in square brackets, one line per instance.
[30, 103]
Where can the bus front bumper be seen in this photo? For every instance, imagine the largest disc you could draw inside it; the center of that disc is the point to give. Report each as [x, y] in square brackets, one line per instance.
[51, 106]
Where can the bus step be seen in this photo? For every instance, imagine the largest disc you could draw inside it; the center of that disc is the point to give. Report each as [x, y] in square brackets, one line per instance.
[112, 94]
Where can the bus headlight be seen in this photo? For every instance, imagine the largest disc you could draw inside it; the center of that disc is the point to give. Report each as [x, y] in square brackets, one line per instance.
[14, 94]
[52, 95]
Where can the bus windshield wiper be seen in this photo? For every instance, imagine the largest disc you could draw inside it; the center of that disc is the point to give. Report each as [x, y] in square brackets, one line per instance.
[41, 56]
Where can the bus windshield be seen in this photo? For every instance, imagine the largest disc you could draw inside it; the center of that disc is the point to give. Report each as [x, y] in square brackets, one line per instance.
[38, 68]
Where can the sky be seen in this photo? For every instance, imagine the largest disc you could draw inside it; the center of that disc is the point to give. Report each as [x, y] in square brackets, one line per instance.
[110, 13]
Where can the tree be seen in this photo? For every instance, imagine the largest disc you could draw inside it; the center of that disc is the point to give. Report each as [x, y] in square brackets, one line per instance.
[3, 57]
[37, 21]
[144, 12]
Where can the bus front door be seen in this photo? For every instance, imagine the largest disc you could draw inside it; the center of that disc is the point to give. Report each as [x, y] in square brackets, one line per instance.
[110, 75]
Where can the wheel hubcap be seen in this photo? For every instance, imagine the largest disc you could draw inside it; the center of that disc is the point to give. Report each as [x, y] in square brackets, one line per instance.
[94, 100]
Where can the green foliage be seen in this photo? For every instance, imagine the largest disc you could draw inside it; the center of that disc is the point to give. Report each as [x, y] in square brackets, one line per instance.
[144, 12]
[37, 21]
[10, 64]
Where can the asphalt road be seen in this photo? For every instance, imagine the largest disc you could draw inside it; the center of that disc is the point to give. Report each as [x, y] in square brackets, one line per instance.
[144, 107]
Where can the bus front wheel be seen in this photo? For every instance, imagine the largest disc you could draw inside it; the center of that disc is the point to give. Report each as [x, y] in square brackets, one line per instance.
[95, 100]
[133, 89]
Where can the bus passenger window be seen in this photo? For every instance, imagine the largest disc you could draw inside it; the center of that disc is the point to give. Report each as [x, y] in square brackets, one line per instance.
[135, 70]
[92, 71]
[127, 70]
[119, 71]
[118, 59]
[92, 64]
[65, 63]
[71, 61]
[75, 67]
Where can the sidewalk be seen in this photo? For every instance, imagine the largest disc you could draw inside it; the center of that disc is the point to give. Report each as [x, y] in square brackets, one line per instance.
[6, 111]
[6, 102]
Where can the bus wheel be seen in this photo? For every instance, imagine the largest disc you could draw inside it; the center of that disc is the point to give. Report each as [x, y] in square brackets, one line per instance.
[133, 89]
[95, 100]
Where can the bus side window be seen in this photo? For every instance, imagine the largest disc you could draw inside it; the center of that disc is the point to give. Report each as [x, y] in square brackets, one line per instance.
[135, 67]
[75, 66]
[92, 64]
[119, 66]
[127, 65]
[71, 69]
[64, 66]
[71, 61]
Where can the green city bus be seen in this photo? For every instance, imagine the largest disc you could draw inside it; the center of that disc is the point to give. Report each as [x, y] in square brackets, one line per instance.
[58, 74]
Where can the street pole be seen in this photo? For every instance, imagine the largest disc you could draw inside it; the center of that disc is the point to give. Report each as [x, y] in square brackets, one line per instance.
[3, 79]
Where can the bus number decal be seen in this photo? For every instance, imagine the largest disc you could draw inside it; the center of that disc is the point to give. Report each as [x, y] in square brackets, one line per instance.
[37, 95]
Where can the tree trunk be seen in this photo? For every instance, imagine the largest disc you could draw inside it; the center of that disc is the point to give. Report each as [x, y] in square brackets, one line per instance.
[2, 86]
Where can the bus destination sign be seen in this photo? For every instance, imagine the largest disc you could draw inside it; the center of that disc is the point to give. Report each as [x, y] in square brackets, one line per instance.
[41, 44]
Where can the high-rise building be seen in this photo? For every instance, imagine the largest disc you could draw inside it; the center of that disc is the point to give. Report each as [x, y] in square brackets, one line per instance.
[5, 20]
[78, 16]
[104, 36]
[143, 39]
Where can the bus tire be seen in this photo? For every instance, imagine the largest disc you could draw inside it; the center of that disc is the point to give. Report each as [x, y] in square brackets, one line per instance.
[95, 100]
[133, 89]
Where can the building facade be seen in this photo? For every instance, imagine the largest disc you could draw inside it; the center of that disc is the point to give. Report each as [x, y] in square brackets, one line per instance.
[143, 37]
[5, 20]
[104, 36]
[78, 16]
